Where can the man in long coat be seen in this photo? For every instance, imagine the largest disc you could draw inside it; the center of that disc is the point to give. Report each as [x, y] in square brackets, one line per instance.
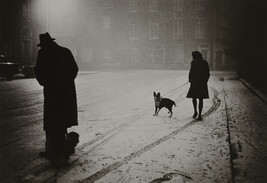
[198, 77]
[56, 70]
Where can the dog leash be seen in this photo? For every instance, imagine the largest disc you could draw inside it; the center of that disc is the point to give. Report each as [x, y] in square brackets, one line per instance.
[175, 89]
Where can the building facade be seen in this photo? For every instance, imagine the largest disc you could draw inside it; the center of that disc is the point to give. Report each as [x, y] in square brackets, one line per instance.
[21, 22]
[161, 34]
[115, 34]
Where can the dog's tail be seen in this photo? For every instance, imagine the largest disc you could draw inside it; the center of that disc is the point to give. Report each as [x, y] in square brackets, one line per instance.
[174, 104]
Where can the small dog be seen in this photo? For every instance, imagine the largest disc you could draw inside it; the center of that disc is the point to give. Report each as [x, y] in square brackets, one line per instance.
[162, 102]
[70, 143]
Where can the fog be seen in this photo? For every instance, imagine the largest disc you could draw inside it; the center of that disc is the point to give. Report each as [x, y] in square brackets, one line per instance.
[141, 34]
[146, 45]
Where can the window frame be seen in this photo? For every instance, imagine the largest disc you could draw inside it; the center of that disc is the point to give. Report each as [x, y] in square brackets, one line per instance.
[153, 31]
[199, 5]
[199, 27]
[132, 6]
[178, 5]
[153, 6]
[178, 28]
[133, 30]
[179, 54]
[107, 23]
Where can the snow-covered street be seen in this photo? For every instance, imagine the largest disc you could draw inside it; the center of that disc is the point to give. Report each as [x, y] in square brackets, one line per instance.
[121, 140]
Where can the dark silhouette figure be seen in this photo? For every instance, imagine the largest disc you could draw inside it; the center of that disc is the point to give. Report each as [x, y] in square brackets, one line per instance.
[56, 70]
[198, 77]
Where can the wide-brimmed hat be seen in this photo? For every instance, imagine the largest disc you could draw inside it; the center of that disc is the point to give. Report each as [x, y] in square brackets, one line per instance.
[45, 38]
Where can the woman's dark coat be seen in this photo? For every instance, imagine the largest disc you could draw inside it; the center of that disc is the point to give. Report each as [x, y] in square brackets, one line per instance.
[56, 70]
[198, 77]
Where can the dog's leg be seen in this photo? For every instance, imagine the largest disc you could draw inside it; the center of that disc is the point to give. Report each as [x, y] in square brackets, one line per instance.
[171, 113]
[158, 110]
[155, 111]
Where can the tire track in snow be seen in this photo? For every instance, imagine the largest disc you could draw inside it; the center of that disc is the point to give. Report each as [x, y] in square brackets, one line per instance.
[46, 166]
[76, 161]
[129, 120]
[216, 103]
[104, 138]
[111, 133]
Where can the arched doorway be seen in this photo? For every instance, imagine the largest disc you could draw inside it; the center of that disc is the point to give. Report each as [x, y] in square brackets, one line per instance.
[205, 51]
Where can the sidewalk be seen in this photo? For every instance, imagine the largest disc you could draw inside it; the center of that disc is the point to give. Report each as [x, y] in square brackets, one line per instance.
[255, 90]
[246, 116]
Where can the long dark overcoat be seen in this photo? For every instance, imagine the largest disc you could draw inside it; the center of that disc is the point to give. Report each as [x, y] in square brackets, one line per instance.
[56, 70]
[198, 77]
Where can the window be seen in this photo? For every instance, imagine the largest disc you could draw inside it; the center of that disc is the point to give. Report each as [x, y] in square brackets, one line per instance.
[25, 9]
[199, 5]
[219, 57]
[132, 6]
[106, 23]
[178, 5]
[158, 54]
[134, 55]
[205, 51]
[106, 4]
[86, 55]
[179, 53]
[39, 14]
[40, 10]
[153, 5]
[133, 31]
[153, 31]
[107, 56]
[199, 28]
[224, 27]
[90, 26]
[178, 28]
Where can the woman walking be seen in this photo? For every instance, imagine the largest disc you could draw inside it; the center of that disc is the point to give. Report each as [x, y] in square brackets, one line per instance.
[198, 77]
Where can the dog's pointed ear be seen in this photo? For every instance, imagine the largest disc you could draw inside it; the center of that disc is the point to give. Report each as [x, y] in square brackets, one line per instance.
[154, 94]
[158, 95]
